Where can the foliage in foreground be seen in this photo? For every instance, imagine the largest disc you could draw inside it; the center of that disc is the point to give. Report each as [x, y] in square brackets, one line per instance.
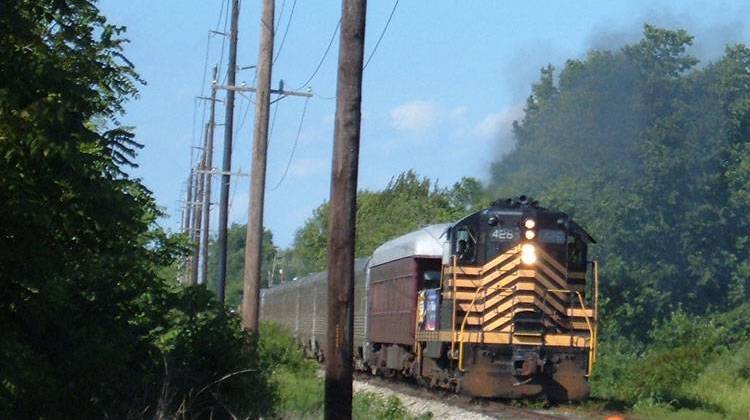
[300, 386]
[88, 328]
[698, 364]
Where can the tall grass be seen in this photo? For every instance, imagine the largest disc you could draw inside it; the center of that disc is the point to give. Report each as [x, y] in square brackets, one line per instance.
[300, 387]
[725, 384]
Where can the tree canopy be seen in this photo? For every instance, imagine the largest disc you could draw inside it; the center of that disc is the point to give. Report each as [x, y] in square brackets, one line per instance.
[236, 237]
[650, 152]
[88, 329]
[407, 203]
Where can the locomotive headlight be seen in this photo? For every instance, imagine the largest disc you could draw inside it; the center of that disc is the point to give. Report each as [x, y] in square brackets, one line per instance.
[528, 254]
[530, 223]
[530, 234]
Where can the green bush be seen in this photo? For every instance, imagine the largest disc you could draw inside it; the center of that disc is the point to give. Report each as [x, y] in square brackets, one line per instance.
[613, 371]
[368, 405]
[725, 384]
[692, 366]
[210, 365]
[300, 393]
[300, 389]
[280, 350]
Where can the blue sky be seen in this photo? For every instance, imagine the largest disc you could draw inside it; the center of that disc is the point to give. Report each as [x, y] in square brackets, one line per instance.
[439, 95]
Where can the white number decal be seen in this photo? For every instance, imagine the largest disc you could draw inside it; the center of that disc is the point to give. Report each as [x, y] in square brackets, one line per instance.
[502, 234]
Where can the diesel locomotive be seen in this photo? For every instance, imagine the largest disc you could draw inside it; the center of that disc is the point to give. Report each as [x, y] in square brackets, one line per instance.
[500, 304]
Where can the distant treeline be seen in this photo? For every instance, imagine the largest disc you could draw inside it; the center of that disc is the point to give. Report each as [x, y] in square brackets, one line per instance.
[408, 202]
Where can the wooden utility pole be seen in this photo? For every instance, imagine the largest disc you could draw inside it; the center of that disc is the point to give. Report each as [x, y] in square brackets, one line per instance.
[186, 220]
[189, 231]
[338, 386]
[227, 158]
[209, 165]
[188, 199]
[198, 210]
[254, 238]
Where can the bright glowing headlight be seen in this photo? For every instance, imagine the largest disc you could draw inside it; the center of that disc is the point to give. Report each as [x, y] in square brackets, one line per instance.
[530, 223]
[528, 254]
[530, 234]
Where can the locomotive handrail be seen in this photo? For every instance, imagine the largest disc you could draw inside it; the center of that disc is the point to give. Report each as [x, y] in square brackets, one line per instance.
[595, 269]
[591, 327]
[454, 271]
[592, 336]
[453, 314]
[463, 325]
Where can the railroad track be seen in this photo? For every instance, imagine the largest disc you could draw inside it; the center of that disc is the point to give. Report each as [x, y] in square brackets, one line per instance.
[445, 405]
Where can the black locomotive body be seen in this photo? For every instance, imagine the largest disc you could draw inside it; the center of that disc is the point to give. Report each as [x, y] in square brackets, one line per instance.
[493, 305]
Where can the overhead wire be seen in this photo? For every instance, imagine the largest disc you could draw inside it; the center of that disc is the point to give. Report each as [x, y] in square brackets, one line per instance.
[323, 58]
[270, 135]
[224, 36]
[294, 147]
[369, 57]
[281, 14]
[382, 34]
[273, 118]
[286, 32]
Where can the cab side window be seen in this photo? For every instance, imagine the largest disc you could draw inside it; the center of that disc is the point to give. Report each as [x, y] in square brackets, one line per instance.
[466, 248]
[576, 253]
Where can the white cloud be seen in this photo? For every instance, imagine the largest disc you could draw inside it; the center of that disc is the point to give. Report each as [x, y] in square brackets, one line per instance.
[414, 116]
[498, 124]
[459, 111]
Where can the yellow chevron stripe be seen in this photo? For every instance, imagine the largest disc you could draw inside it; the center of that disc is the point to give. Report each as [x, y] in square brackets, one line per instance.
[551, 260]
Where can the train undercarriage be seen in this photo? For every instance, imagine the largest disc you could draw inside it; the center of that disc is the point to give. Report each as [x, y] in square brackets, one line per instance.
[487, 372]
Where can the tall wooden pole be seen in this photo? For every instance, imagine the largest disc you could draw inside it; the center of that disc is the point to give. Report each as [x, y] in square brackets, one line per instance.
[227, 159]
[338, 386]
[198, 212]
[208, 176]
[254, 238]
[187, 222]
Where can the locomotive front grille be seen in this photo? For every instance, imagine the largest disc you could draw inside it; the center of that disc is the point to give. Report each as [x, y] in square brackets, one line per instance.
[490, 298]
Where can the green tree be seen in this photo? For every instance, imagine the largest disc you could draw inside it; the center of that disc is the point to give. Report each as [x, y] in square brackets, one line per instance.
[88, 329]
[649, 152]
[407, 203]
[236, 237]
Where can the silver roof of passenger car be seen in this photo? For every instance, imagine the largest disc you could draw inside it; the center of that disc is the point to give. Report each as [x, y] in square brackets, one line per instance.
[427, 241]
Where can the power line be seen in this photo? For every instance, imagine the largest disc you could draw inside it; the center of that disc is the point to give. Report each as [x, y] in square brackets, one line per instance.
[281, 14]
[224, 36]
[382, 34]
[323, 58]
[247, 110]
[286, 31]
[294, 147]
[221, 14]
[273, 119]
[205, 64]
[270, 136]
